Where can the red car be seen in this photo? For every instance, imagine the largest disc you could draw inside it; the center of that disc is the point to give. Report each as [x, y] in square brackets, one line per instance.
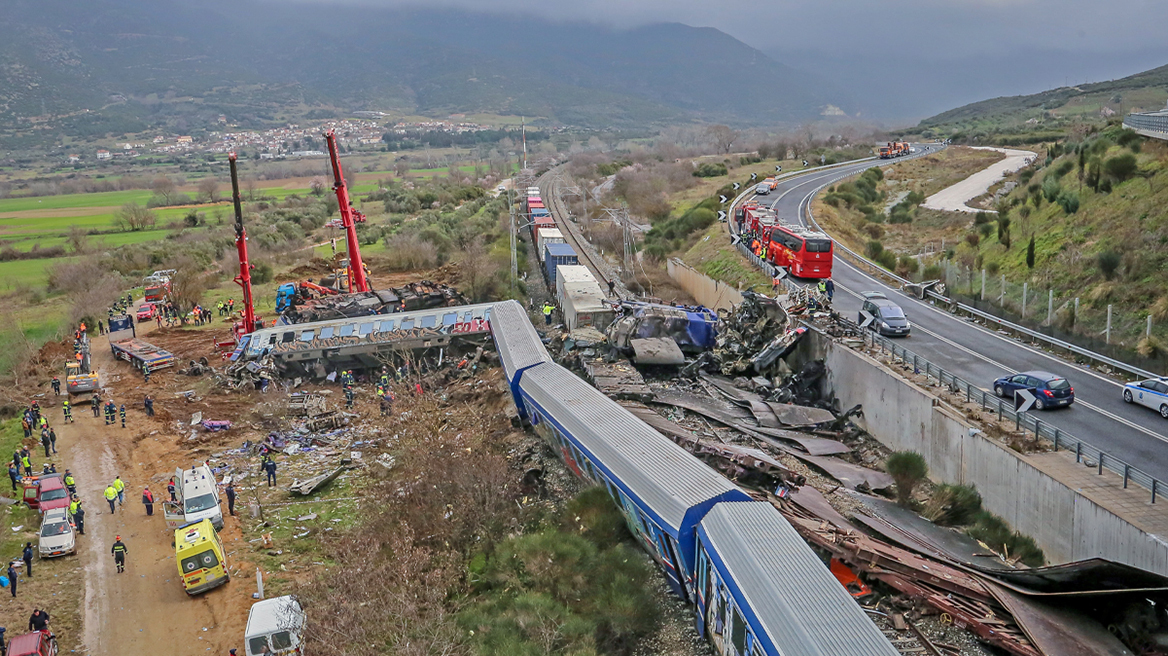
[45, 492]
[145, 312]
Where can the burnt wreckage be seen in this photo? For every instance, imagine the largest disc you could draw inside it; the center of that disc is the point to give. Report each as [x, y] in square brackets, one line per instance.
[306, 307]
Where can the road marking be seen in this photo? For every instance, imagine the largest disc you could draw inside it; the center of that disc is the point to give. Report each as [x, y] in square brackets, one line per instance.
[1010, 370]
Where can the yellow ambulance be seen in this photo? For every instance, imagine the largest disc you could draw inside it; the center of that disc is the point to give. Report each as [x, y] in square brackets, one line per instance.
[199, 553]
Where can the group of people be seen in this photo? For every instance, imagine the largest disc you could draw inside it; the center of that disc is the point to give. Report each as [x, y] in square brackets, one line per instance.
[225, 308]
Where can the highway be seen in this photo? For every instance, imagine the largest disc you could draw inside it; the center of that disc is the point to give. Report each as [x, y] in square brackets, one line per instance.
[1099, 416]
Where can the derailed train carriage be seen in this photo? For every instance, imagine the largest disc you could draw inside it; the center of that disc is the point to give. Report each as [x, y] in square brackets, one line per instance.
[756, 587]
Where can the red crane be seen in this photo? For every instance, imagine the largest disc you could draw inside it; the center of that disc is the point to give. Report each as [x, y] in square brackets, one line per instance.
[244, 277]
[349, 218]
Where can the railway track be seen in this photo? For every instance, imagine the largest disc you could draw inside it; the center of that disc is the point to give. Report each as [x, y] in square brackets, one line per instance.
[548, 184]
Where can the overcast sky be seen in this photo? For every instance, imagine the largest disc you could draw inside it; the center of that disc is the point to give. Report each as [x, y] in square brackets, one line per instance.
[978, 48]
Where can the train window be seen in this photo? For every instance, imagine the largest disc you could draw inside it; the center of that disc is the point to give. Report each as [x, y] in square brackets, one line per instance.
[306, 336]
[326, 332]
[346, 330]
[288, 337]
[450, 318]
[387, 326]
[738, 633]
[407, 324]
[429, 321]
[366, 328]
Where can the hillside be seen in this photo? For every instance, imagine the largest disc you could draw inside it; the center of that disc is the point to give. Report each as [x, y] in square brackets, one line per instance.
[1041, 116]
[94, 66]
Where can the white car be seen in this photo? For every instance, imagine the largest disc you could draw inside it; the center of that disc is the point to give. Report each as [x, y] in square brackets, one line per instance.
[57, 537]
[1151, 393]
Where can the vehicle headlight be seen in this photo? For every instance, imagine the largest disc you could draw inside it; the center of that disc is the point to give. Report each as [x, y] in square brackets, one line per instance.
[884, 324]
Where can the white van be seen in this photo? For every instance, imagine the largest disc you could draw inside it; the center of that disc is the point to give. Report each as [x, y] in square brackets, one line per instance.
[197, 496]
[277, 624]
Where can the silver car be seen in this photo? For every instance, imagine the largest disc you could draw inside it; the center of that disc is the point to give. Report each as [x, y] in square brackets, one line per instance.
[57, 536]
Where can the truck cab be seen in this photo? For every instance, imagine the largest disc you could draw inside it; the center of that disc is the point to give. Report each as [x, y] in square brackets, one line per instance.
[277, 624]
[202, 564]
[37, 643]
[44, 492]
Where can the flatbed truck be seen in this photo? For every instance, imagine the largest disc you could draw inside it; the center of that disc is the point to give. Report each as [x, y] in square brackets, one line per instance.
[125, 345]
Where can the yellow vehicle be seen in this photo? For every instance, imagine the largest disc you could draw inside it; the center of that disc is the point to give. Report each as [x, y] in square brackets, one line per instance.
[78, 378]
[199, 553]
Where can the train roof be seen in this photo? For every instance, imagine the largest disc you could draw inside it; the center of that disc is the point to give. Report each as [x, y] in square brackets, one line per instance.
[659, 475]
[790, 596]
[518, 343]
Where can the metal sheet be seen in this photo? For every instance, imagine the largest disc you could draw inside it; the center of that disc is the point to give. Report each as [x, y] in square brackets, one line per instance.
[721, 412]
[764, 415]
[657, 350]
[1058, 631]
[845, 472]
[813, 501]
[800, 415]
[919, 534]
[816, 446]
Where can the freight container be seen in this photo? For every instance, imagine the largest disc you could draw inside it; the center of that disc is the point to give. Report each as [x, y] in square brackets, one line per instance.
[554, 256]
[545, 236]
[584, 305]
[569, 273]
[542, 221]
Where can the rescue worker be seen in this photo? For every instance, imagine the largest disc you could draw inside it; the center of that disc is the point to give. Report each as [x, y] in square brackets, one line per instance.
[230, 490]
[67, 410]
[145, 374]
[27, 557]
[349, 398]
[44, 422]
[53, 439]
[268, 466]
[149, 403]
[108, 410]
[94, 402]
[45, 441]
[547, 313]
[829, 287]
[822, 287]
[26, 462]
[57, 387]
[384, 380]
[39, 621]
[170, 488]
[120, 488]
[13, 473]
[148, 500]
[611, 288]
[386, 404]
[230, 305]
[111, 495]
[70, 482]
[122, 414]
[12, 579]
[100, 327]
[79, 517]
[119, 552]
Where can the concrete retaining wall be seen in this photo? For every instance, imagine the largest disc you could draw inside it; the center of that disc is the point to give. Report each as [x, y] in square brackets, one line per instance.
[705, 290]
[904, 417]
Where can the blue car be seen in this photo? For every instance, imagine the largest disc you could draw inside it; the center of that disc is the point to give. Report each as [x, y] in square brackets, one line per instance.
[1050, 391]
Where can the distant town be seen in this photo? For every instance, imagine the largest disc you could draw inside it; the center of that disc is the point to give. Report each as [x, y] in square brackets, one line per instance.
[291, 140]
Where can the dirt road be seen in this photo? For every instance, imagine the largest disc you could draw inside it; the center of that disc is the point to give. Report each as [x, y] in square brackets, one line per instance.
[955, 197]
[145, 609]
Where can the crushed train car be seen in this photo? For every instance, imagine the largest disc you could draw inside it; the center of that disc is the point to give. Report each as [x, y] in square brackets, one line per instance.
[693, 328]
[317, 349]
[301, 304]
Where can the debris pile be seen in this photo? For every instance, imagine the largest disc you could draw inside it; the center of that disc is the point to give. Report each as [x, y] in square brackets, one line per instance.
[419, 295]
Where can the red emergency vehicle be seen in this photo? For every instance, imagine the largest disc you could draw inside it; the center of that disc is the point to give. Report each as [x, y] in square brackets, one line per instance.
[804, 253]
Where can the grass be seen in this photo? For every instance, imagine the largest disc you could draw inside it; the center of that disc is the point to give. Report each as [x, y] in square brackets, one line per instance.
[713, 255]
[74, 201]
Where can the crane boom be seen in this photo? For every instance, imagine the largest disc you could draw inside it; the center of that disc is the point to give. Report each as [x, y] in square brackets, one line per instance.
[244, 277]
[349, 218]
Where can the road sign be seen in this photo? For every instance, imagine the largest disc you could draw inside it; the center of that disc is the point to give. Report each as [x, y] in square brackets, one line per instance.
[778, 168]
[780, 273]
[722, 197]
[721, 215]
[753, 176]
[867, 319]
[734, 239]
[736, 186]
[1023, 400]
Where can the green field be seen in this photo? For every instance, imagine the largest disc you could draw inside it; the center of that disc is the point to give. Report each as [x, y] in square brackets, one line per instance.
[73, 201]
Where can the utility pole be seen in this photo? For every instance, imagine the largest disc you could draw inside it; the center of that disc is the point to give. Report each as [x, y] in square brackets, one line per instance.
[523, 132]
[514, 244]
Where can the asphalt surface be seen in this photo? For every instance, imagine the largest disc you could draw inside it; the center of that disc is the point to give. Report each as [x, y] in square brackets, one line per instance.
[1099, 416]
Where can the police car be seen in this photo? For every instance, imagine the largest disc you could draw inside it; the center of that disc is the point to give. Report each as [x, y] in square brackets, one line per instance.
[1151, 393]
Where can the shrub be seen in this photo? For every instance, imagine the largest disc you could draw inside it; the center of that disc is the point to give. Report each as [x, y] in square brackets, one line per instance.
[1004, 231]
[981, 218]
[1108, 263]
[952, 505]
[933, 272]
[1030, 253]
[1069, 201]
[1064, 167]
[993, 268]
[262, 273]
[874, 249]
[1127, 138]
[887, 259]
[973, 239]
[908, 264]
[1051, 188]
[710, 170]
[985, 230]
[991, 530]
[908, 469]
[1120, 167]
[874, 230]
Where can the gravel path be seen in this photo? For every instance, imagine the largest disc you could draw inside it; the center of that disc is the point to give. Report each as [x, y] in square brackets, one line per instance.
[954, 198]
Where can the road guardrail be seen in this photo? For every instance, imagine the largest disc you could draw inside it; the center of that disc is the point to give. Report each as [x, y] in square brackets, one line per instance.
[1023, 421]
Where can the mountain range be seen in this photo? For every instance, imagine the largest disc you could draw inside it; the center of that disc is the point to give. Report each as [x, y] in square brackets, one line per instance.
[86, 67]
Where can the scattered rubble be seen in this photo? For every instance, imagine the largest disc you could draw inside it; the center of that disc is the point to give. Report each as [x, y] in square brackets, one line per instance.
[419, 295]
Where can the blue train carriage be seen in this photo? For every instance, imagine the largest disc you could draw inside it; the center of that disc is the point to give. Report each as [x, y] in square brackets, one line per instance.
[661, 489]
[763, 592]
[518, 344]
